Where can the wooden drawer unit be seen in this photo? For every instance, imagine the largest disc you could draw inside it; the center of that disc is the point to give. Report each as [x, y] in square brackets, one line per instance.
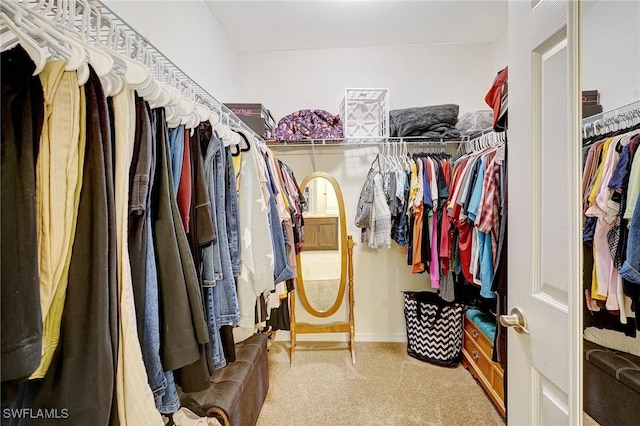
[476, 357]
[321, 233]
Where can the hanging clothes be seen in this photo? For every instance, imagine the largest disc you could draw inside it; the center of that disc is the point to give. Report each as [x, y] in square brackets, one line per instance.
[177, 278]
[218, 277]
[151, 217]
[135, 402]
[82, 370]
[195, 376]
[609, 183]
[497, 99]
[257, 268]
[445, 216]
[58, 181]
[22, 119]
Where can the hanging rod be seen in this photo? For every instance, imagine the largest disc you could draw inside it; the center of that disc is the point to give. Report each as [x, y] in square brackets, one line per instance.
[410, 140]
[134, 45]
[612, 113]
[227, 117]
[617, 119]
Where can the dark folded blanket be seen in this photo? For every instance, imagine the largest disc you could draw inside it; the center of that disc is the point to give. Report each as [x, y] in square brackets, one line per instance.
[420, 120]
[441, 131]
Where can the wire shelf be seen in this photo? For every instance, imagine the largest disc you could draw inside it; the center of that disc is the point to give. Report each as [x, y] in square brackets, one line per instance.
[612, 113]
[98, 24]
[410, 140]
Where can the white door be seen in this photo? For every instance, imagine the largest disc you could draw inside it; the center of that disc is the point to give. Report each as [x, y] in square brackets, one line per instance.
[544, 366]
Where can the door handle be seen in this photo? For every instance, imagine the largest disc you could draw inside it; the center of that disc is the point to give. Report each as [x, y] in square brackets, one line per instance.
[517, 320]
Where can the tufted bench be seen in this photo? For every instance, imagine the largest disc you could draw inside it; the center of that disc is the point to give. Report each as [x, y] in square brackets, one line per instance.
[237, 391]
[611, 386]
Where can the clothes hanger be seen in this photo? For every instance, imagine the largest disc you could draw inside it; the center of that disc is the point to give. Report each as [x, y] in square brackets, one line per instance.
[383, 157]
[235, 148]
[50, 37]
[54, 33]
[191, 119]
[396, 157]
[222, 130]
[203, 113]
[405, 154]
[176, 110]
[163, 96]
[134, 72]
[37, 53]
[246, 139]
[214, 118]
[149, 89]
[101, 61]
[138, 75]
[234, 139]
[200, 114]
[172, 117]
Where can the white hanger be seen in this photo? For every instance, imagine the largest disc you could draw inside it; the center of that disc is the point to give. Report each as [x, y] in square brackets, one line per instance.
[149, 88]
[175, 96]
[38, 27]
[222, 131]
[161, 97]
[396, 156]
[172, 108]
[157, 95]
[190, 108]
[134, 72]
[177, 110]
[173, 119]
[101, 61]
[37, 54]
[203, 112]
[107, 86]
[191, 120]
[165, 95]
[214, 118]
[233, 139]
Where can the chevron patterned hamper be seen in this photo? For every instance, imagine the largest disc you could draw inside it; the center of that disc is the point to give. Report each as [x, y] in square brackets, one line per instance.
[434, 328]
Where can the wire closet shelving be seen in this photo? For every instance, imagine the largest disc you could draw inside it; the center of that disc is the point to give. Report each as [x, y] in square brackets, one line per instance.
[98, 24]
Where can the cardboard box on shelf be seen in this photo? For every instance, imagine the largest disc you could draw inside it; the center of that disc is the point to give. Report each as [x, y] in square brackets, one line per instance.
[251, 110]
[591, 97]
[256, 116]
[589, 110]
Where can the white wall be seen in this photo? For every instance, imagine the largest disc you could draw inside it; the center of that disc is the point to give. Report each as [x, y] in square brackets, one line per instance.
[420, 75]
[188, 34]
[499, 53]
[286, 81]
[610, 52]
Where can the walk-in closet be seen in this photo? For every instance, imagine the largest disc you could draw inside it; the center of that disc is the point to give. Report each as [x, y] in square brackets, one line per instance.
[320, 212]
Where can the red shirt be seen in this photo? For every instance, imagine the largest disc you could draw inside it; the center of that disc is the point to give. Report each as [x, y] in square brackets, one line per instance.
[184, 189]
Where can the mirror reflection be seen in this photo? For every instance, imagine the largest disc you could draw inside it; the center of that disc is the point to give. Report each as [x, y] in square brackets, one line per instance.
[611, 113]
[321, 254]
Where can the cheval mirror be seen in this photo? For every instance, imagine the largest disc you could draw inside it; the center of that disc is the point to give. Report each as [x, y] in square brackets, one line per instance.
[325, 263]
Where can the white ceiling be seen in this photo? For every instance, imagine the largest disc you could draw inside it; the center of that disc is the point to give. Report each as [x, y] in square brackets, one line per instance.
[291, 25]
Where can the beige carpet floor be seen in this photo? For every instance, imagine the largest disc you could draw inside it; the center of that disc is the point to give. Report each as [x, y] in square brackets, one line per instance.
[384, 387]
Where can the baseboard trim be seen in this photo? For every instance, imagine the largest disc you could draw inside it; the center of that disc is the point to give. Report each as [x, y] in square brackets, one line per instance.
[284, 336]
[374, 337]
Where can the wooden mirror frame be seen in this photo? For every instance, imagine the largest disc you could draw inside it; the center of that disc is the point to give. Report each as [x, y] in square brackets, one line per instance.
[346, 275]
[342, 247]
